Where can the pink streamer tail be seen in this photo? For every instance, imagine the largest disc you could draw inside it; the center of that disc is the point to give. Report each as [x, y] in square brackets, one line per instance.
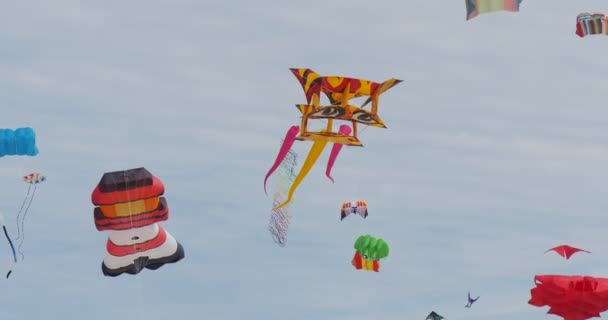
[290, 138]
[335, 150]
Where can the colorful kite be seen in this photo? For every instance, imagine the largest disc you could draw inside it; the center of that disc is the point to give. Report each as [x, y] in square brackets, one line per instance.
[571, 297]
[566, 251]
[434, 316]
[470, 301]
[369, 251]
[476, 7]
[19, 142]
[129, 207]
[354, 207]
[590, 24]
[339, 90]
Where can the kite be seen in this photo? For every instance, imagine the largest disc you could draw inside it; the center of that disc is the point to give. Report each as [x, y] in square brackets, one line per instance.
[354, 207]
[434, 316]
[571, 297]
[566, 251]
[369, 251]
[19, 142]
[339, 90]
[476, 7]
[470, 303]
[129, 206]
[590, 24]
[31, 179]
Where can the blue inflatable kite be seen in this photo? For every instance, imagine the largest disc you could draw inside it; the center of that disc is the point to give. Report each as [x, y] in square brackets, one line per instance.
[20, 142]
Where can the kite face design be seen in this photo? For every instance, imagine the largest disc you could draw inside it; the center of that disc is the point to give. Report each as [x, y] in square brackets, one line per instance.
[339, 90]
[129, 206]
[476, 7]
[354, 207]
[571, 297]
[346, 113]
[369, 251]
[591, 24]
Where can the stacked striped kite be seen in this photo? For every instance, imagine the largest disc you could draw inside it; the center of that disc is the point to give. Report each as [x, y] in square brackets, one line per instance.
[129, 206]
[590, 24]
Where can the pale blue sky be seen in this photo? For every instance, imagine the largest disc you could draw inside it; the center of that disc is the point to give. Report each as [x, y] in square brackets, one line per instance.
[495, 151]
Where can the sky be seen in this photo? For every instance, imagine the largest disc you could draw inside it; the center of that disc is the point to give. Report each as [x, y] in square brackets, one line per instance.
[494, 152]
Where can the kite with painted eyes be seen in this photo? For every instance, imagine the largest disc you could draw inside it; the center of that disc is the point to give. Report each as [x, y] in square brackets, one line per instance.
[369, 252]
[339, 91]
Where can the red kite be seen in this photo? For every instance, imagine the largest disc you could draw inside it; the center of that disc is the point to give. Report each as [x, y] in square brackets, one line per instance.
[566, 251]
[571, 297]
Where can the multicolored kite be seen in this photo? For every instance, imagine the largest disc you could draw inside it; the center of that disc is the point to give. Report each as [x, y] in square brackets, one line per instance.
[19, 142]
[354, 207]
[129, 207]
[566, 251]
[339, 90]
[571, 297]
[34, 178]
[589, 24]
[31, 179]
[369, 251]
[476, 7]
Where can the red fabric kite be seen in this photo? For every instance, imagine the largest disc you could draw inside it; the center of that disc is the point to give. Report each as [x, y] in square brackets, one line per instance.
[566, 251]
[360, 263]
[571, 297]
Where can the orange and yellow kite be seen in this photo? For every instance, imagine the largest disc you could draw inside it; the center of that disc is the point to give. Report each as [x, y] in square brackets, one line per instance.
[339, 91]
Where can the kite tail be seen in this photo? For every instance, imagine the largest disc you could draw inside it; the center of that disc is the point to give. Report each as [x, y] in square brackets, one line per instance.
[290, 138]
[29, 189]
[23, 222]
[11, 243]
[335, 150]
[313, 155]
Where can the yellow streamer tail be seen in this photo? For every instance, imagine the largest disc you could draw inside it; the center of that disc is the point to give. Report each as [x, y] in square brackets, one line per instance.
[311, 159]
